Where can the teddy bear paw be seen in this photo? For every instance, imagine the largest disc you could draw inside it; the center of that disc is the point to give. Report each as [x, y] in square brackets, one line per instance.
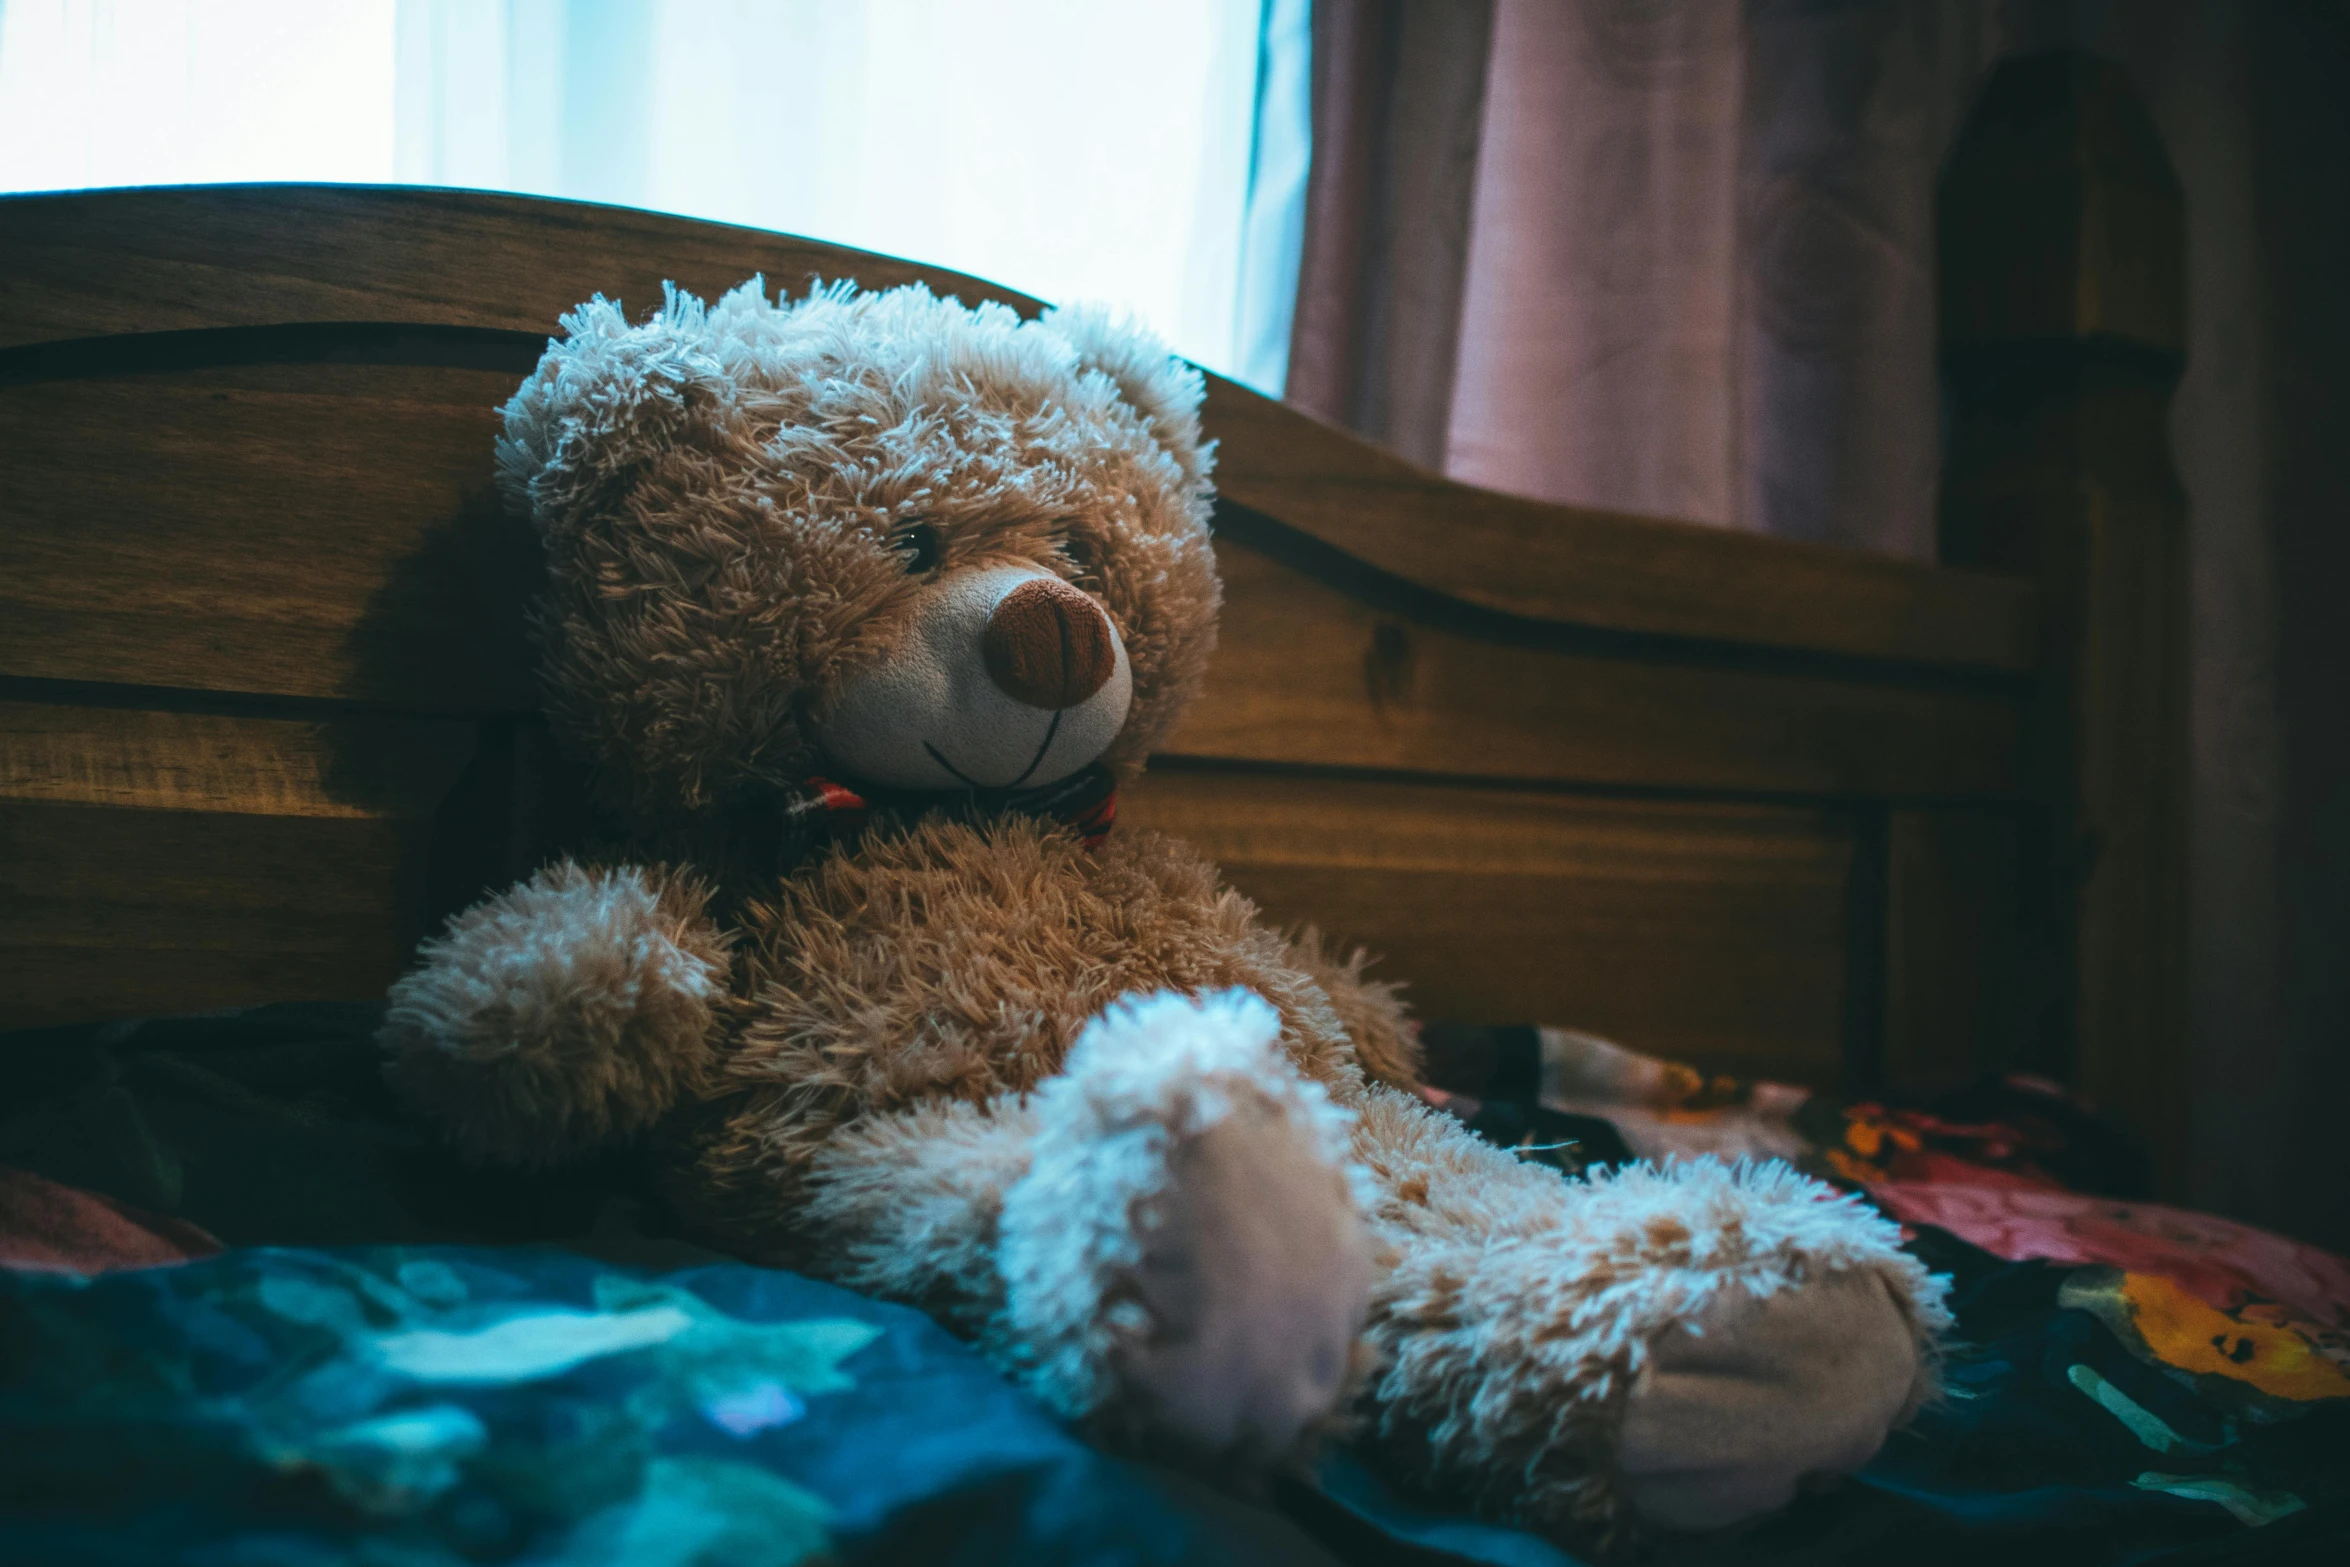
[1185, 1255]
[1255, 1273]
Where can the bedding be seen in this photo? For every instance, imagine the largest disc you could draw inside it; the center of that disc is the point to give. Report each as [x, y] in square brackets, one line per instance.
[400, 1360]
[436, 1404]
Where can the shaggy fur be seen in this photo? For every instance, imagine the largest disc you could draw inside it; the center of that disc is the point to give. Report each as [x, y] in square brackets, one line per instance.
[718, 487]
[1145, 1079]
[1521, 1312]
[1371, 1012]
[913, 1063]
[573, 1011]
[1026, 1222]
[959, 962]
[910, 1206]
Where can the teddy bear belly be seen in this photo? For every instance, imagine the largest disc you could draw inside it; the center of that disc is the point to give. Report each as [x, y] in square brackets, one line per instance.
[952, 961]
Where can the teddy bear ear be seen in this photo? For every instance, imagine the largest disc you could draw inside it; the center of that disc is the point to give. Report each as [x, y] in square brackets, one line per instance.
[606, 396]
[1164, 389]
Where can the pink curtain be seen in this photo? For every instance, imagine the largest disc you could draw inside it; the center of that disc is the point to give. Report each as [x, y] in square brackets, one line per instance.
[1399, 92]
[1679, 260]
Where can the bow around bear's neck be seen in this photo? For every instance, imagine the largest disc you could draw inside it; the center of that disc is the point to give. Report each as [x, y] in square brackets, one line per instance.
[743, 845]
[748, 841]
[824, 810]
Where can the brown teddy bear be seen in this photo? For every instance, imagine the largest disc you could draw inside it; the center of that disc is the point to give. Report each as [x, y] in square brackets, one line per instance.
[858, 607]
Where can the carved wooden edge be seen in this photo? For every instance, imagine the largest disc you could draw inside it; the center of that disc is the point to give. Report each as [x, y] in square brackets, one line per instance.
[1607, 570]
[2062, 269]
[106, 263]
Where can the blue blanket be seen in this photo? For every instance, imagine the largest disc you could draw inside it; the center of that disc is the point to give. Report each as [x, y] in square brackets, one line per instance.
[432, 1405]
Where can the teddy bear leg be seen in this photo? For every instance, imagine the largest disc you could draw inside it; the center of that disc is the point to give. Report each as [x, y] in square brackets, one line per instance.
[1185, 1259]
[1740, 1406]
[1160, 1241]
[1672, 1349]
[909, 1206]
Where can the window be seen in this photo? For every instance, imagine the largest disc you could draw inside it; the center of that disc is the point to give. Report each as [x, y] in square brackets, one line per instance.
[1150, 153]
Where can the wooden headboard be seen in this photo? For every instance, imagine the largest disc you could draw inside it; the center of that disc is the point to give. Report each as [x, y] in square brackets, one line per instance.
[265, 714]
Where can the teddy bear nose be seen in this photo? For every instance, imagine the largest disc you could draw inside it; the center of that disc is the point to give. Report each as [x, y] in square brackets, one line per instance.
[1048, 645]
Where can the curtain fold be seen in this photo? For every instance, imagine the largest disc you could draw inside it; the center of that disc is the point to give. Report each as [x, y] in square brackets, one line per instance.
[1693, 273]
[1599, 340]
[1398, 111]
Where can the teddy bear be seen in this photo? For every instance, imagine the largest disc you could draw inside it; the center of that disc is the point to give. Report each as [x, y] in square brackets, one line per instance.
[858, 608]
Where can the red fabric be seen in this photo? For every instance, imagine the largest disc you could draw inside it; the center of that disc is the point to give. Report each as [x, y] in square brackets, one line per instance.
[63, 1229]
[1087, 801]
[2220, 1262]
[1093, 824]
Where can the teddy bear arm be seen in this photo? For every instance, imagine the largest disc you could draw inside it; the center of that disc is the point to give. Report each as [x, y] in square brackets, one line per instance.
[573, 1010]
[1372, 1012]
[1669, 1348]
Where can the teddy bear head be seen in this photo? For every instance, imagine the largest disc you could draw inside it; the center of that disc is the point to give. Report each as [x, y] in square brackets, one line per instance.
[882, 537]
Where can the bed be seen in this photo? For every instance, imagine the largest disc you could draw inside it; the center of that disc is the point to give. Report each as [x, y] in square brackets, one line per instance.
[1746, 801]
[1778, 811]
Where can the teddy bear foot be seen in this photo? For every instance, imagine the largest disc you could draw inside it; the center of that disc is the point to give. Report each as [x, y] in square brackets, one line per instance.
[1255, 1275]
[1761, 1394]
[1186, 1261]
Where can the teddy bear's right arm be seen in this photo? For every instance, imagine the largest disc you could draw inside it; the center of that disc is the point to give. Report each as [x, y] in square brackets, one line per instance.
[570, 1011]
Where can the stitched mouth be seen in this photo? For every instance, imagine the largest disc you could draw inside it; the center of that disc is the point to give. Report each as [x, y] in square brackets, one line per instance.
[1034, 762]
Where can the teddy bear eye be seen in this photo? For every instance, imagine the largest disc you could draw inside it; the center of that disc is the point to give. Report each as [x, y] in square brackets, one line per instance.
[917, 542]
[1076, 549]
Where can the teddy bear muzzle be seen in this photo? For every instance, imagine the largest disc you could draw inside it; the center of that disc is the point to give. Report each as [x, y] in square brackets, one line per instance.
[997, 678]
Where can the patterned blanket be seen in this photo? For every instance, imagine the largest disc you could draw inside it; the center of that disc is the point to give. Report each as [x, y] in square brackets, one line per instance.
[344, 1382]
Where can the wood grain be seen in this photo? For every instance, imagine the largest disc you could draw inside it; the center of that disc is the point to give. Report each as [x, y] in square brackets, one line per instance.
[326, 531]
[1604, 569]
[255, 531]
[1310, 675]
[164, 862]
[2063, 274]
[1952, 968]
[286, 531]
[2059, 216]
[1709, 933]
[108, 913]
[90, 265]
[347, 769]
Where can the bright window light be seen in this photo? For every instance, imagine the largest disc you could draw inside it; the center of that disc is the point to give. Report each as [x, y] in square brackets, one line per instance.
[1149, 153]
[176, 92]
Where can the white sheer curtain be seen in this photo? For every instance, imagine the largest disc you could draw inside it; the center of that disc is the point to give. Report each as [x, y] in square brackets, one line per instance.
[1150, 153]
